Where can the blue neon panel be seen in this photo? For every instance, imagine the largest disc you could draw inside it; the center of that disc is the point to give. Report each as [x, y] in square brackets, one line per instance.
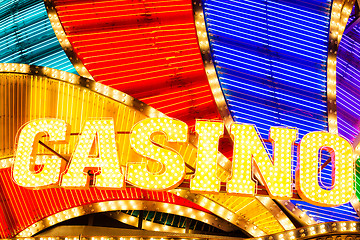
[348, 83]
[328, 214]
[271, 58]
[26, 36]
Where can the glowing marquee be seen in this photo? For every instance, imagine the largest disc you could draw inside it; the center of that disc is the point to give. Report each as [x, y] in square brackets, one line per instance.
[249, 152]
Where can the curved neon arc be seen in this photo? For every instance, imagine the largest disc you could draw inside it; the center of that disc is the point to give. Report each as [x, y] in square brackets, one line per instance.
[127, 100]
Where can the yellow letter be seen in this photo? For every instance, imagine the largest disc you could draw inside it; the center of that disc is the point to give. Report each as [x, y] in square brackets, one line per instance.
[24, 172]
[205, 179]
[249, 149]
[308, 166]
[107, 162]
[172, 164]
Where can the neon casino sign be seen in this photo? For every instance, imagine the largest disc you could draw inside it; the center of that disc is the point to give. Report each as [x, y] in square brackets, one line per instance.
[249, 152]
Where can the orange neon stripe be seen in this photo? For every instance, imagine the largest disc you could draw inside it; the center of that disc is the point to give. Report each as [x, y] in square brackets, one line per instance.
[140, 50]
[172, 93]
[186, 97]
[138, 56]
[179, 40]
[5, 189]
[132, 29]
[134, 34]
[177, 103]
[177, 110]
[139, 74]
[132, 40]
[112, 11]
[112, 17]
[95, 2]
[144, 79]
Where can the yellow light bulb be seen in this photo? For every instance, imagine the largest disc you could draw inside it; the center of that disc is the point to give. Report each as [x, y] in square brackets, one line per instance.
[24, 172]
[250, 151]
[172, 170]
[205, 179]
[106, 165]
[307, 170]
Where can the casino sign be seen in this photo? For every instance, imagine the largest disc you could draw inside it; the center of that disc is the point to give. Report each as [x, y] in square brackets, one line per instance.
[249, 152]
[196, 119]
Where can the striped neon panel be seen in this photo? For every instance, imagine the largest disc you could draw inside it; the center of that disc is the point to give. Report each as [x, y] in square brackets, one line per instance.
[271, 57]
[271, 60]
[146, 49]
[27, 37]
[348, 80]
[348, 88]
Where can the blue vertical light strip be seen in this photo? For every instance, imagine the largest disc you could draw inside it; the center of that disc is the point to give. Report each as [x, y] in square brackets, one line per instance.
[26, 36]
[271, 61]
[348, 83]
[348, 88]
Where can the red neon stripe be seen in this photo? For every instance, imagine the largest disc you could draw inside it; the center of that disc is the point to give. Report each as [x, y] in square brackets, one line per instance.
[22, 207]
[143, 49]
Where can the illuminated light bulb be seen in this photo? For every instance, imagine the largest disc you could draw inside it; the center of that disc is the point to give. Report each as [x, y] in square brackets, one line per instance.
[205, 179]
[23, 169]
[343, 166]
[249, 149]
[106, 165]
[172, 170]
